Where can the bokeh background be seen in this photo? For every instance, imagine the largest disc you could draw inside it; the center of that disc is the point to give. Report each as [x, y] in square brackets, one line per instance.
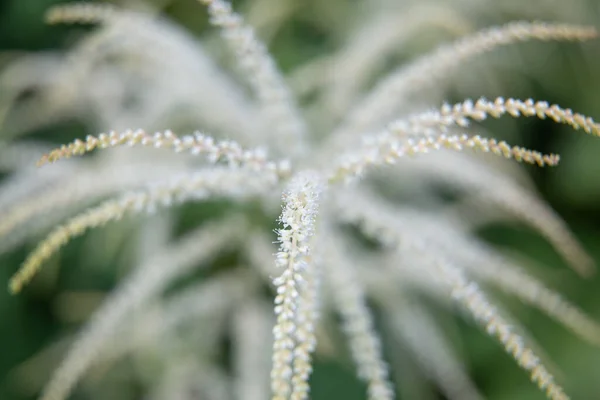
[73, 284]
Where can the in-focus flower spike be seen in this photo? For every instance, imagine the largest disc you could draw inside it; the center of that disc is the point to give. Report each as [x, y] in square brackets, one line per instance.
[460, 114]
[301, 202]
[307, 316]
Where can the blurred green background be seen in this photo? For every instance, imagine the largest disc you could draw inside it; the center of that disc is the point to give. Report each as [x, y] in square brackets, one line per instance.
[32, 321]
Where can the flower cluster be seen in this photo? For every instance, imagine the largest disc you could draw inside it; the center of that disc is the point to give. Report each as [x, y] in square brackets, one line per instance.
[342, 243]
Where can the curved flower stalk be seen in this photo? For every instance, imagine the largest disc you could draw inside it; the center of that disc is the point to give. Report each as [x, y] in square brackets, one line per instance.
[146, 282]
[487, 188]
[227, 150]
[29, 70]
[151, 55]
[263, 76]
[468, 294]
[413, 278]
[431, 349]
[388, 146]
[44, 73]
[82, 13]
[386, 149]
[461, 114]
[154, 329]
[22, 181]
[350, 301]
[430, 129]
[199, 187]
[380, 104]
[451, 242]
[520, 284]
[380, 36]
[487, 266]
[93, 78]
[72, 189]
[203, 306]
[553, 9]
